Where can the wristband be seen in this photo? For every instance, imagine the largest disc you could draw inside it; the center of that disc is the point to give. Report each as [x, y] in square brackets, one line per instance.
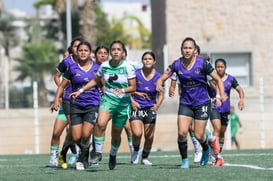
[81, 90]
[218, 96]
[123, 90]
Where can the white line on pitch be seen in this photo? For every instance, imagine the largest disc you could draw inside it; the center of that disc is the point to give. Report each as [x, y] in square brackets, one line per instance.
[247, 166]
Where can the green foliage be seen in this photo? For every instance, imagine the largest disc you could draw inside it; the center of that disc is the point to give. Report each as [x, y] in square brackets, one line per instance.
[75, 19]
[143, 39]
[8, 37]
[116, 30]
[107, 32]
[37, 59]
[40, 3]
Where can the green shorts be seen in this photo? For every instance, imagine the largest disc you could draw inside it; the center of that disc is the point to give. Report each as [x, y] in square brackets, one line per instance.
[120, 114]
[61, 115]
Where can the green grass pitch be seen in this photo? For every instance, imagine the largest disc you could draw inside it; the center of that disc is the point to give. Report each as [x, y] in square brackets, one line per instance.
[242, 165]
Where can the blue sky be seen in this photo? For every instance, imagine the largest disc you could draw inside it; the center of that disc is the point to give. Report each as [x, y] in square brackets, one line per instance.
[27, 5]
[23, 5]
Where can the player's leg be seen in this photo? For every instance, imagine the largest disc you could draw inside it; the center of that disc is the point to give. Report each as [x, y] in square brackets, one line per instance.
[59, 126]
[137, 126]
[119, 118]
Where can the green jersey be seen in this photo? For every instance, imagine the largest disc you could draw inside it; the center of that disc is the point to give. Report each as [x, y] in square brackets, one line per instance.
[116, 78]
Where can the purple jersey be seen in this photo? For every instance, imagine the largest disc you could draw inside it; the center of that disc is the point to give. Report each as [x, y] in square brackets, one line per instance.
[192, 81]
[148, 87]
[62, 67]
[79, 78]
[229, 83]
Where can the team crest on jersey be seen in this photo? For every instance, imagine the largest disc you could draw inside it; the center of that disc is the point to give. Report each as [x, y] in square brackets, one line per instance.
[78, 74]
[86, 79]
[121, 70]
[197, 71]
[180, 72]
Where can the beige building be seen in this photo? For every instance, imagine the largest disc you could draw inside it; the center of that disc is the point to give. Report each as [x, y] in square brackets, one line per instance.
[241, 33]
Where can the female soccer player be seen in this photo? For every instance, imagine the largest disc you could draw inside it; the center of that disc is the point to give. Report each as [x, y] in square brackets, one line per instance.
[196, 145]
[119, 81]
[84, 109]
[63, 118]
[195, 103]
[145, 103]
[220, 115]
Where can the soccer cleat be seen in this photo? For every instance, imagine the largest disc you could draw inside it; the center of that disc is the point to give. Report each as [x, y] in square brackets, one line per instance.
[197, 156]
[219, 162]
[62, 162]
[52, 163]
[205, 157]
[96, 158]
[145, 161]
[72, 159]
[215, 146]
[135, 157]
[185, 163]
[79, 166]
[212, 159]
[112, 162]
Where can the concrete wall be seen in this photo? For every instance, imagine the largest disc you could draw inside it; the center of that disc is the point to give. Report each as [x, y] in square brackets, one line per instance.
[227, 26]
[17, 135]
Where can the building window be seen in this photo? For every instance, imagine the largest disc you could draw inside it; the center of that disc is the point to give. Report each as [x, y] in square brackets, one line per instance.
[238, 65]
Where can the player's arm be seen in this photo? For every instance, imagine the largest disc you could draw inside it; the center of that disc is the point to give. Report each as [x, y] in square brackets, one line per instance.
[220, 90]
[159, 83]
[55, 106]
[57, 78]
[213, 85]
[172, 88]
[92, 83]
[240, 91]
[160, 98]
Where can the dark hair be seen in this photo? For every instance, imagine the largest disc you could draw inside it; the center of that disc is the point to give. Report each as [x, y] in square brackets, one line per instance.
[69, 49]
[188, 39]
[76, 39]
[85, 43]
[125, 51]
[150, 53]
[119, 42]
[101, 47]
[220, 60]
[198, 49]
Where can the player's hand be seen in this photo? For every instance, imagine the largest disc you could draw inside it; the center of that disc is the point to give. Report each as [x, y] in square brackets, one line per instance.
[218, 102]
[171, 92]
[135, 105]
[224, 98]
[74, 95]
[54, 107]
[241, 105]
[143, 95]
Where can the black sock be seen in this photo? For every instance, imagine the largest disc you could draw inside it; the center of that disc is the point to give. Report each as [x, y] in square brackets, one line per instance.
[205, 145]
[146, 153]
[183, 149]
[73, 148]
[136, 147]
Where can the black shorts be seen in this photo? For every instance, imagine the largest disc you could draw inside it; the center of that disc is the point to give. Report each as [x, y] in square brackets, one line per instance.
[201, 112]
[80, 114]
[224, 117]
[146, 115]
[66, 106]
